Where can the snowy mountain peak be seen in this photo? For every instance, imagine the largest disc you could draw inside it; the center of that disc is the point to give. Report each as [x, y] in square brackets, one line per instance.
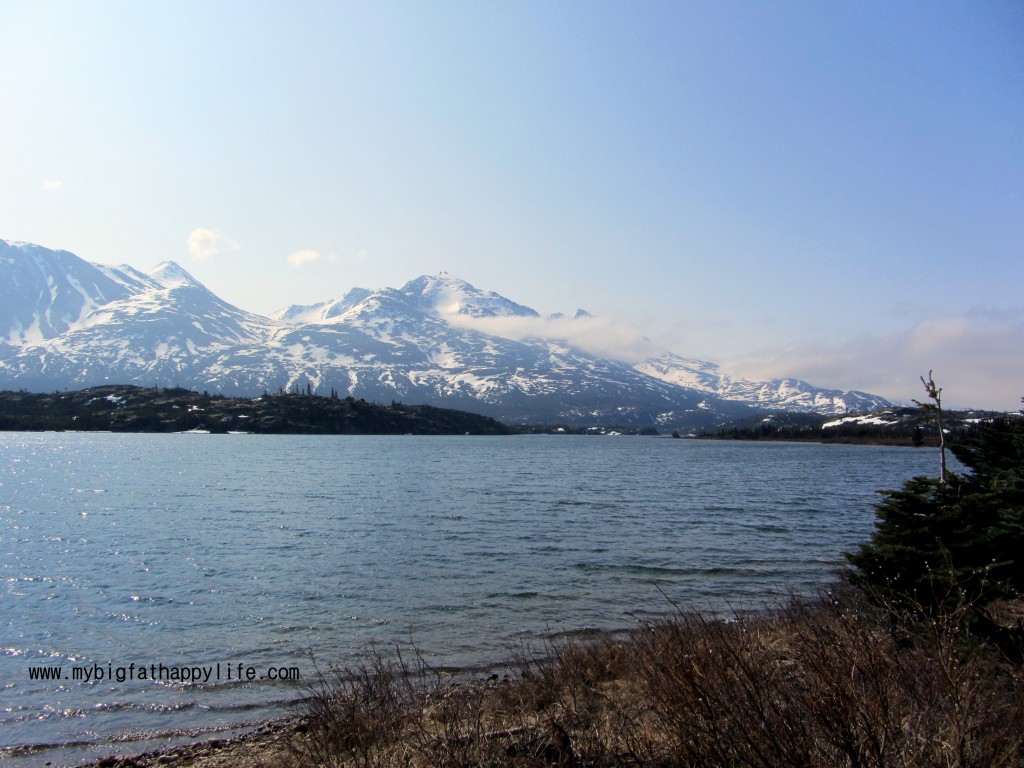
[170, 274]
[45, 293]
[450, 295]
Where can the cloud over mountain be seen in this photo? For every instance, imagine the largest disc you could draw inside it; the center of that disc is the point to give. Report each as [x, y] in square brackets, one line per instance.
[595, 335]
[965, 351]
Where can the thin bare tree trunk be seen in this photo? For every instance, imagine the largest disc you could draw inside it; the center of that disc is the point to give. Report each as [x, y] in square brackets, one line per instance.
[935, 393]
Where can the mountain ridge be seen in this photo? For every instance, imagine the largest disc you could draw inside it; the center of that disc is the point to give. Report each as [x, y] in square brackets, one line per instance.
[67, 323]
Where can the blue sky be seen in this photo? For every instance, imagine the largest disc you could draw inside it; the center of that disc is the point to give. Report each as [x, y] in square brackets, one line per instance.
[833, 191]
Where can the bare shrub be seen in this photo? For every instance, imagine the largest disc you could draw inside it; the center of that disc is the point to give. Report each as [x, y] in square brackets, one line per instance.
[356, 715]
[825, 682]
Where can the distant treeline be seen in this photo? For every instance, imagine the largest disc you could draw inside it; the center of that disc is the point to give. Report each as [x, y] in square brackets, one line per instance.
[889, 426]
[125, 408]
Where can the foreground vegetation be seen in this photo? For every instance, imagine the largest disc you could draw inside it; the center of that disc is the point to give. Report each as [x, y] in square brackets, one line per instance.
[830, 682]
[125, 408]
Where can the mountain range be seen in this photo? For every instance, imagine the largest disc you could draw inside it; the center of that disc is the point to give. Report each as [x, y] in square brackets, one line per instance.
[66, 323]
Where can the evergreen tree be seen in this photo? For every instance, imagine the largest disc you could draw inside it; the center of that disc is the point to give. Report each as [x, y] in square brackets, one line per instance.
[961, 540]
[995, 492]
[929, 546]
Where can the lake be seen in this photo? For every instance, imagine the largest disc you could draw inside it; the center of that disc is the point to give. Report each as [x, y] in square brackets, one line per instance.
[168, 555]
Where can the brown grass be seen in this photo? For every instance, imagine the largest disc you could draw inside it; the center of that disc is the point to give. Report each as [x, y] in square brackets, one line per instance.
[829, 682]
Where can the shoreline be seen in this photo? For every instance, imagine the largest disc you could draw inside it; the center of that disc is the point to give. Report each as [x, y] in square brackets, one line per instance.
[266, 743]
[270, 740]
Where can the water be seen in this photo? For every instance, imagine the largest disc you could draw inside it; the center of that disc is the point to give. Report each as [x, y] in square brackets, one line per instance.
[273, 552]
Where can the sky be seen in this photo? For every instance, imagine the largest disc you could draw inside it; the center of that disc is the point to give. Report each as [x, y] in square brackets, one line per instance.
[827, 190]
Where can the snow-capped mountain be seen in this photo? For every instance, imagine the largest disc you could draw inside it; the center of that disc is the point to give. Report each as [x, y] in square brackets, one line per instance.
[45, 293]
[777, 394]
[66, 323]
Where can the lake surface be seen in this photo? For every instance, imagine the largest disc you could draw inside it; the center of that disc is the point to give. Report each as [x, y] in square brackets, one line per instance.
[272, 552]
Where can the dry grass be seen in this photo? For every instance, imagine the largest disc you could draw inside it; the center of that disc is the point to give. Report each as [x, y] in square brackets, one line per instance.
[822, 683]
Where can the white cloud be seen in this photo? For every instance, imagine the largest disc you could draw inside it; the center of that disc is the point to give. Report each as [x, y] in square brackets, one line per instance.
[52, 184]
[204, 244]
[299, 258]
[977, 357]
[594, 335]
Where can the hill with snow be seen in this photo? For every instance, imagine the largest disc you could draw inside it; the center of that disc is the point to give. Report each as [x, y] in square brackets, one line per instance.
[68, 323]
